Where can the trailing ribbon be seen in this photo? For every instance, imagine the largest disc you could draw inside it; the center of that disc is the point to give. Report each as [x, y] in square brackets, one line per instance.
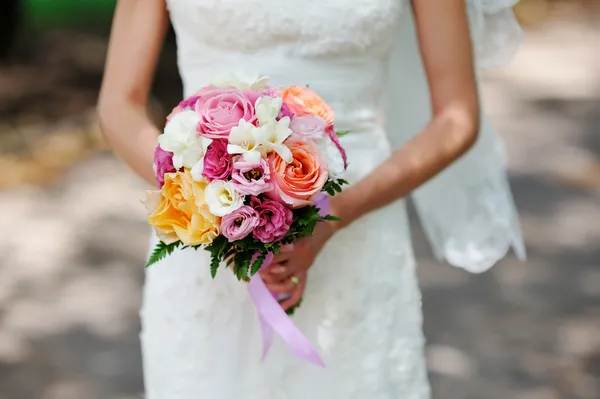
[271, 315]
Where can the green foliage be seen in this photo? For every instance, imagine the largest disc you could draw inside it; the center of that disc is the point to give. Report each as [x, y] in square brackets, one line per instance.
[334, 186]
[342, 133]
[290, 312]
[258, 264]
[217, 248]
[161, 251]
[303, 225]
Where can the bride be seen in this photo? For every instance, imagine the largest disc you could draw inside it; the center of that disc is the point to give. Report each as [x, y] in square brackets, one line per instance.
[401, 76]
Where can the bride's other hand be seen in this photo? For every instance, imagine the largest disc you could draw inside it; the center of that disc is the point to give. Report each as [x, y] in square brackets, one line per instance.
[287, 273]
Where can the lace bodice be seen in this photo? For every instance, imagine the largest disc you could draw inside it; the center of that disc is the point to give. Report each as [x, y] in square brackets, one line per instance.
[319, 28]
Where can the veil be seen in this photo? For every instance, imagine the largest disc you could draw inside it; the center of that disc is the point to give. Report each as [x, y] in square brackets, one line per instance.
[467, 211]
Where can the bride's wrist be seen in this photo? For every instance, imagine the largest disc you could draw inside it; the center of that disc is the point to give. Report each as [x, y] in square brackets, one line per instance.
[342, 210]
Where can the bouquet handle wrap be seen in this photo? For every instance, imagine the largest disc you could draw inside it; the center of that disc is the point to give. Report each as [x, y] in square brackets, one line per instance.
[273, 318]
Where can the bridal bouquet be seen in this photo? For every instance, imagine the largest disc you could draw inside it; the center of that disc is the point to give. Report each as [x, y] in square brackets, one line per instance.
[243, 168]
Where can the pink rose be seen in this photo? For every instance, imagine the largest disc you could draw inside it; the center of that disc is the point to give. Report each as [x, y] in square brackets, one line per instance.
[222, 109]
[251, 178]
[308, 127]
[336, 140]
[218, 163]
[163, 163]
[297, 182]
[274, 220]
[239, 223]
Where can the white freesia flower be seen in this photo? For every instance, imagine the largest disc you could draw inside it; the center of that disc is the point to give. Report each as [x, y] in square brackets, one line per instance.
[240, 81]
[273, 134]
[222, 197]
[333, 157]
[267, 109]
[245, 139]
[181, 138]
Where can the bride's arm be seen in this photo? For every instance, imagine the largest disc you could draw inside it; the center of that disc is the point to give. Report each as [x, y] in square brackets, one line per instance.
[137, 34]
[445, 46]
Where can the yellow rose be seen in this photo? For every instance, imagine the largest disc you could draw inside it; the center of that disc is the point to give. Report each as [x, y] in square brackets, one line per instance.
[179, 212]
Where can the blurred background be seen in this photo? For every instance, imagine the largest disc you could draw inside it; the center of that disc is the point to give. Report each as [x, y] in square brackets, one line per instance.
[73, 236]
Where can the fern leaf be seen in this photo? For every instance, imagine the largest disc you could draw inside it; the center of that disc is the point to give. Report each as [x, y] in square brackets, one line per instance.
[161, 251]
[257, 264]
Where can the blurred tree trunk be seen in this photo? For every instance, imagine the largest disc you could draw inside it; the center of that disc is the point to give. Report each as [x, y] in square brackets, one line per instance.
[10, 17]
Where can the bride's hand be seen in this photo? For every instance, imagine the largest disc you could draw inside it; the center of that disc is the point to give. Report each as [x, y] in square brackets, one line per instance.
[287, 274]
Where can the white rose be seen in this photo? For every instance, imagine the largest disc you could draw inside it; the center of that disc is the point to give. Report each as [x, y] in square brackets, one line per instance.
[240, 81]
[181, 138]
[333, 157]
[222, 198]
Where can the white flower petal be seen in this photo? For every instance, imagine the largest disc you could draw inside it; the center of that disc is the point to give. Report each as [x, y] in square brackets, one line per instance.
[240, 81]
[284, 152]
[333, 157]
[267, 109]
[252, 156]
[260, 83]
[222, 197]
[197, 170]
[282, 130]
[177, 161]
[235, 149]
[182, 139]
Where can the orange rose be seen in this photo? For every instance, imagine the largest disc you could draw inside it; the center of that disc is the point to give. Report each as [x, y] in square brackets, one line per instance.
[179, 211]
[304, 101]
[297, 182]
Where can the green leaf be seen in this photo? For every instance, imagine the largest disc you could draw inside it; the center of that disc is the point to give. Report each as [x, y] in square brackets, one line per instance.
[275, 248]
[244, 270]
[161, 251]
[332, 218]
[214, 265]
[290, 312]
[257, 264]
[342, 133]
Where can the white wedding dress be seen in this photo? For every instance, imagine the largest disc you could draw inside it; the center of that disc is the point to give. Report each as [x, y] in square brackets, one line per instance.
[201, 337]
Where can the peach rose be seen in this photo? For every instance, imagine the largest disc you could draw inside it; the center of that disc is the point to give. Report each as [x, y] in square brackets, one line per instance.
[179, 211]
[304, 101]
[297, 182]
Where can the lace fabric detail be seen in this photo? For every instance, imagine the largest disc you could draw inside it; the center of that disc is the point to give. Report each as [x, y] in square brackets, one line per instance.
[311, 28]
[495, 31]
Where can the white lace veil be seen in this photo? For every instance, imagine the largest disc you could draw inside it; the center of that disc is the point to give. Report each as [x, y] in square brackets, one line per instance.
[467, 211]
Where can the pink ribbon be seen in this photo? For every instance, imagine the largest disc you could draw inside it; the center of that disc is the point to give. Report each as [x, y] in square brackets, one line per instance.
[271, 315]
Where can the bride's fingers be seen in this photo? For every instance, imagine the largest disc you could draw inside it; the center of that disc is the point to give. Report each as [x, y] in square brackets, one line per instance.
[295, 297]
[282, 287]
[273, 272]
[285, 254]
[284, 272]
